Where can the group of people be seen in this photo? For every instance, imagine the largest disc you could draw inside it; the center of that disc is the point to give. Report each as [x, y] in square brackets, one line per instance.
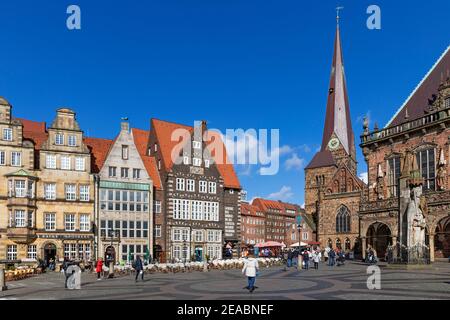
[308, 255]
[137, 265]
[334, 257]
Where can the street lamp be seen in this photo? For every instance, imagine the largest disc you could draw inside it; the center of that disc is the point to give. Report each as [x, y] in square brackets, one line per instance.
[299, 228]
[184, 251]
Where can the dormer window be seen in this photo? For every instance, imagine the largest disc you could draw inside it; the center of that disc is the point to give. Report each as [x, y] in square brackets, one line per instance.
[197, 145]
[156, 147]
[59, 139]
[7, 134]
[72, 141]
[185, 160]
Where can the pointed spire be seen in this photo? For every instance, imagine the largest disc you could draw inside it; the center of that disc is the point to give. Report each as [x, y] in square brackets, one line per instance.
[337, 119]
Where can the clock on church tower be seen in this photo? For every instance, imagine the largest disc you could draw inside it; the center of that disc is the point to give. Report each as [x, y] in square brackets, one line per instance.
[333, 144]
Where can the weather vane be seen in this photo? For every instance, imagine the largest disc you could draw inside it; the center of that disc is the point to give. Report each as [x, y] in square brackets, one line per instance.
[337, 13]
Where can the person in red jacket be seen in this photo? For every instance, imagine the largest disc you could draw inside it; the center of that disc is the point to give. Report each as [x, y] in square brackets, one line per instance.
[99, 268]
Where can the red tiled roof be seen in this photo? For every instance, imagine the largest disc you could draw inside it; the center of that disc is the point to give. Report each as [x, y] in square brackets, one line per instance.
[99, 149]
[35, 131]
[417, 102]
[140, 140]
[248, 209]
[163, 131]
[265, 205]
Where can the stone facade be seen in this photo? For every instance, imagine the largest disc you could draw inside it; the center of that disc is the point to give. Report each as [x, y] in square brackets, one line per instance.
[47, 198]
[125, 216]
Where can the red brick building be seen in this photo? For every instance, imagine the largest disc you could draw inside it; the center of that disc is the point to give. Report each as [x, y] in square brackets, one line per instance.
[253, 225]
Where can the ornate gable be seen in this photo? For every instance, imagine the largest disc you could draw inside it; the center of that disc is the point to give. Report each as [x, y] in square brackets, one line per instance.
[343, 181]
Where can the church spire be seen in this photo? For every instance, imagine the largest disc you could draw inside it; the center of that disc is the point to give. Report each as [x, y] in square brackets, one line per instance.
[337, 119]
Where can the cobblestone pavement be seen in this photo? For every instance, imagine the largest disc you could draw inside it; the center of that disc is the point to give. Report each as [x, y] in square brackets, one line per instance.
[345, 282]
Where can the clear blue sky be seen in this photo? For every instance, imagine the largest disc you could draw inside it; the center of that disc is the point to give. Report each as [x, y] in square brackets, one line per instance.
[236, 63]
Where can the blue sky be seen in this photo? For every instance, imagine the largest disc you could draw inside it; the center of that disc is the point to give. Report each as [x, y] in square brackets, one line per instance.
[236, 63]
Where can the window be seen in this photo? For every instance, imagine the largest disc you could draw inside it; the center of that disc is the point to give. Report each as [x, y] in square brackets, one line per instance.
[190, 185]
[72, 141]
[11, 252]
[202, 187]
[84, 222]
[65, 163]
[16, 159]
[19, 218]
[157, 231]
[393, 175]
[343, 220]
[305, 236]
[197, 212]
[50, 161]
[177, 252]
[197, 162]
[84, 193]
[185, 235]
[30, 219]
[198, 236]
[50, 191]
[206, 163]
[70, 251]
[447, 103]
[136, 173]
[69, 222]
[180, 184]
[197, 144]
[156, 147]
[2, 158]
[112, 171]
[32, 252]
[426, 161]
[50, 221]
[70, 192]
[125, 152]
[159, 164]
[212, 187]
[7, 134]
[176, 235]
[185, 160]
[124, 172]
[19, 188]
[59, 139]
[157, 206]
[79, 164]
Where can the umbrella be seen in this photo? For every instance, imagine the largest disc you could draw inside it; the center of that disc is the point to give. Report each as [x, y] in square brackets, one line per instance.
[302, 244]
[269, 244]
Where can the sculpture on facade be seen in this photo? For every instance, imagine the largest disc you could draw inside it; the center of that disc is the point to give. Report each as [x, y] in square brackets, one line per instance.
[441, 172]
[379, 188]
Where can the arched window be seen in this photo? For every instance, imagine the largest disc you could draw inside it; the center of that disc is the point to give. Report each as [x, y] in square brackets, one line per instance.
[330, 243]
[338, 243]
[343, 220]
[348, 244]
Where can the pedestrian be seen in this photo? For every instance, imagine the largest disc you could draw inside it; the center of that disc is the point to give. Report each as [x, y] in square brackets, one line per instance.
[317, 256]
[331, 257]
[250, 270]
[326, 254]
[290, 255]
[306, 259]
[99, 268]
[139, 267]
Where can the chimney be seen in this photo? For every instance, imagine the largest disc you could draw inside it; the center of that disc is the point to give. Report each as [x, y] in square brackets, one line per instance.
[124, 125]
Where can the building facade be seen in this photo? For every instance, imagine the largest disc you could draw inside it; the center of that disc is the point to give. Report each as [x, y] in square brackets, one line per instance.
[407, 164]
[253, 225]
[47, 198]
[125, 211]
[201, 193]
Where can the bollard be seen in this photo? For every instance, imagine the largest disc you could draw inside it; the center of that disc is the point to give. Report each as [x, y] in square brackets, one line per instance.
[3, 286]
[111, 270]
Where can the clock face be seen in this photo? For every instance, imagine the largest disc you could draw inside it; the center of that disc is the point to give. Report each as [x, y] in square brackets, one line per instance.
[333, 144]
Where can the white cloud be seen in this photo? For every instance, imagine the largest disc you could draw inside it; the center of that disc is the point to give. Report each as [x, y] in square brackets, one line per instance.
[364, 177]
[294, 162]
[284, 194]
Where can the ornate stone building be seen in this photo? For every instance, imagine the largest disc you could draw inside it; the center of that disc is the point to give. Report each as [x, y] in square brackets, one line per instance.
[408, 169]
[332, 187]
[47, 194]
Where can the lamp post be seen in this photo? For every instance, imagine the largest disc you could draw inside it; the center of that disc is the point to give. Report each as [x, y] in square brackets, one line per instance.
[184, 251]
[299, 228]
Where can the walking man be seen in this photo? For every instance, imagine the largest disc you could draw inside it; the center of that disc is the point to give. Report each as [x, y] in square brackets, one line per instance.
[250, 269]
[316, 257]
[139, 267]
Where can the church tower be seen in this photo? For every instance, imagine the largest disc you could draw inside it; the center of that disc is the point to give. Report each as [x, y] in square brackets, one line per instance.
[332, 170]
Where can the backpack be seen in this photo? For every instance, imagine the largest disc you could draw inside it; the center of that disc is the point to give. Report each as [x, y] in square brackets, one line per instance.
[133, 264]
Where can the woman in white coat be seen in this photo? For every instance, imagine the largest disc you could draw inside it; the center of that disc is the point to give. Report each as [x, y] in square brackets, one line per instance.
[250, 270]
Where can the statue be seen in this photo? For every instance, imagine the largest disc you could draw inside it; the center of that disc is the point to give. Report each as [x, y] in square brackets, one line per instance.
[366, 125]
[379, 188]
[416, 218]
[441, 172]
